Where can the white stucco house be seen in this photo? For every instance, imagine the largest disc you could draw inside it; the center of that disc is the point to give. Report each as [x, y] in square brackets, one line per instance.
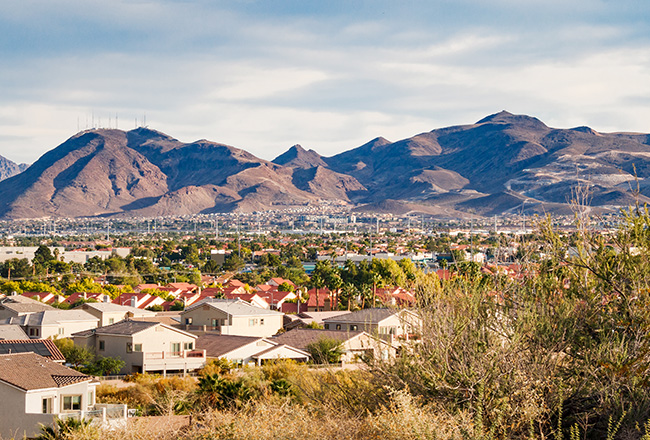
[35, 390]
[231, 317]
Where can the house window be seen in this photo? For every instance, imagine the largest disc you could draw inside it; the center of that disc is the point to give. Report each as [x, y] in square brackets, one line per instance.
[188, 346]
[353, 328]
[261, 321]
[327, 326]
[33, 332]
[137, 348]
[47, 405]
[176, 348]
[338, 326]
[71, 403]
[91, 398]
[188, 321]
[102, 345]
[215, 322]
[129, 347]
[61, 330]
[251, 322]
[111, 321]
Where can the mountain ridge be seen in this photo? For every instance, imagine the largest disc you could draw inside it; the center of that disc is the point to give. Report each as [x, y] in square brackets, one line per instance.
[482, 168]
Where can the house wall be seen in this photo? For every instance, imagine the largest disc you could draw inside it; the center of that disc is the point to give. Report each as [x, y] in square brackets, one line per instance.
[63, 329]
[155, 340]
[21, 412]
[244, 355]
[255, 325]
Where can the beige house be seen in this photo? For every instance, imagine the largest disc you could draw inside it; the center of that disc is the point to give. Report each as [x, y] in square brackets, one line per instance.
[391, 324]
[35, 390]
[109, 313]
[54, 323]
[231, 317]
[247, 350]
[18, 305]
[144, 346]
[355, 344]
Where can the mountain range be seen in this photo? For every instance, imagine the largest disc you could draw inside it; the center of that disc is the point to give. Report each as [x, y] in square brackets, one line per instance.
[9, 168]
[502, 163]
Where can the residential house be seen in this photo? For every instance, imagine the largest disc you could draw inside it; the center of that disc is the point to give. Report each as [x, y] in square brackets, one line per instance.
[320, 300]
[252, 298]
[231, 317]
[109, 313]
[18, 305]
[355, 344]
[54, 323]
[277, 281]
[389, 323]
[244, 350]
[138, 300]
[34, 390]
[144, 346]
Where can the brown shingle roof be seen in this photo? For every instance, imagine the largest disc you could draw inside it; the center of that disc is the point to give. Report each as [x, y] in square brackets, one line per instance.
[29, 371]
[302, 337]
[218, 345]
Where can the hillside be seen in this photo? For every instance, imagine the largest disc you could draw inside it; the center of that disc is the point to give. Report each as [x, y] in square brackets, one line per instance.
[484, 168]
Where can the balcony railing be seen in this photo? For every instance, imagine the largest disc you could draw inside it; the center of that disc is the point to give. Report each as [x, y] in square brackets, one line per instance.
[99, 413]
[175, 355]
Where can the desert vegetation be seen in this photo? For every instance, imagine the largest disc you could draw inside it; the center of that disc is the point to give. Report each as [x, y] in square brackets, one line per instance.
[558, 351]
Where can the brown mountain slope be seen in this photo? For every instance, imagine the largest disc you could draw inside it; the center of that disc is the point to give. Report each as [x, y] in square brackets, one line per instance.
[486, 168]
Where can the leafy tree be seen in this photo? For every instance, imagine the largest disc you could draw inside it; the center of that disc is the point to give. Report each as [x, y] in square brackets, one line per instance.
[326, 351]
[106, 366]
[177, 306]
[233, 263]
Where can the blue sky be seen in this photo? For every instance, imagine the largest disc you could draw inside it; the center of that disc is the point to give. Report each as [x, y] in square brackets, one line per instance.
[329, 75]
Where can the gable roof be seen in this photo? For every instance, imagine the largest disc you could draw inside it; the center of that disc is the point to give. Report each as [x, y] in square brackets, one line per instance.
[219, 345]
[29, 371]
[112, 307]
[365, 316]
[302, 337]
[43, 347]
[125, 328]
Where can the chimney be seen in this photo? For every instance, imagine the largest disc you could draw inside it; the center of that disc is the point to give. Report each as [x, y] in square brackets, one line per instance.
[134, 301]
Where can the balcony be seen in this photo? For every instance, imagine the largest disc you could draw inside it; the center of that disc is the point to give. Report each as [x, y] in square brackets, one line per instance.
[184, 360]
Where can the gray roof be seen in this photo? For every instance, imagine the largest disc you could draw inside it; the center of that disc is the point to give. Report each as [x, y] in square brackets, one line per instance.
[53, 317]
[365, 316]
[302, 337]
[233, 307]
[12, 331]
[22, 304]
[127, 327]
[111, 307]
